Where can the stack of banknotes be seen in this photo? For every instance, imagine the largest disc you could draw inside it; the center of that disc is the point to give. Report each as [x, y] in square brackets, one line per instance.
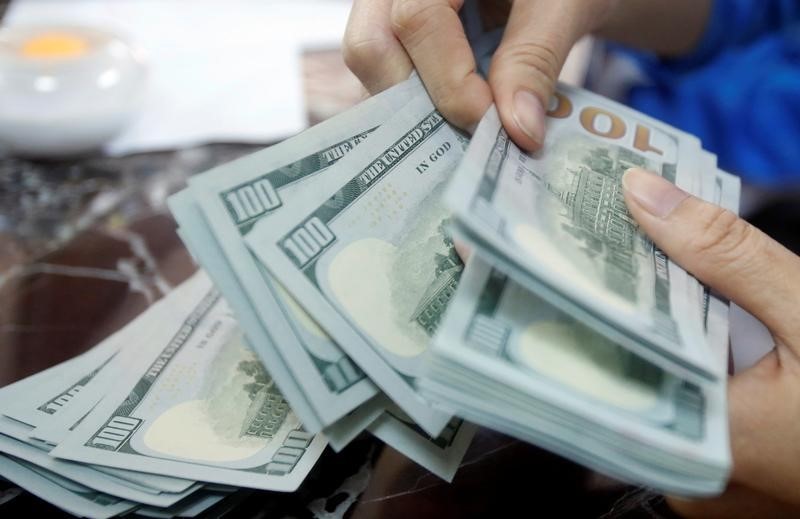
[332, 301]
[567, 328]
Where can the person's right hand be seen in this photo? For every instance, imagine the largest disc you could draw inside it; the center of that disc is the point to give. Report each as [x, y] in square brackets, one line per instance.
[763, 277]
[387, 39]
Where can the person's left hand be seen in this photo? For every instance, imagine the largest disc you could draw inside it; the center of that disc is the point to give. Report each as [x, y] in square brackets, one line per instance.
[387, 39]
[745, 265]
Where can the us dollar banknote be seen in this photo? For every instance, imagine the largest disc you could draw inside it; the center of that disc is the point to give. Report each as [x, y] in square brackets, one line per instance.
[507, 359]
[17, 438]
[236, 197]
[200, 405]
[60, 396]
[558, 218]
[441, 455]
[88, 476]
[202, 245]
[370, 257]
[54, 394]
[72, 497]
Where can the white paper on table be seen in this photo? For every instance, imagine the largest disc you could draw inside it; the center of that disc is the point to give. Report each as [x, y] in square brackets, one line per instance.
[312, 24]
[219, 71]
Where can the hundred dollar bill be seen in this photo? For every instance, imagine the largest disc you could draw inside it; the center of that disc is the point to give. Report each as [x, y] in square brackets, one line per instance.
[71, 389]
[198, 404]
[506, 359]
[190, 507]
[200, 242]
[69, 496]
[57, 386]
[236, 196]
[15, 440]
[89, 477]
[558, 219]
[441, 455]
[370, 257]
[93, 384]
[347, 428]
[61, 395]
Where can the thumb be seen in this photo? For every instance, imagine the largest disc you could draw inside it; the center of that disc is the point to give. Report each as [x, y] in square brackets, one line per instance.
[526, 65]
[721, 250]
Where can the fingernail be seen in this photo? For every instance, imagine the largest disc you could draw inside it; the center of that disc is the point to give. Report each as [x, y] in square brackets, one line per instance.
[463, 250]
[528, 113]
[657, 196]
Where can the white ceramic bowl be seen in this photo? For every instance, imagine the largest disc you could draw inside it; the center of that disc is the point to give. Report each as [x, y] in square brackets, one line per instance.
[65, 90]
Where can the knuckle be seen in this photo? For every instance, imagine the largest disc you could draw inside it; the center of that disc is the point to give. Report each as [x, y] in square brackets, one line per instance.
[447, 99]
[410, 18]
[454, 103]
[724, 238]
[536, 58]
[362, 53]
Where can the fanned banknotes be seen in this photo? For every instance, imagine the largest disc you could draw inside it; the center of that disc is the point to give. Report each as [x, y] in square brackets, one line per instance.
[558, 219]
[197, 403]
[508, 360]
[59, 397]
[350, 311]
[233, 199]
[370, 257]
[224, 206]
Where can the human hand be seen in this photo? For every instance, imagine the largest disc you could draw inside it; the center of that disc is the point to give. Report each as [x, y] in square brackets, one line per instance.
[387, 39]
[746, 266]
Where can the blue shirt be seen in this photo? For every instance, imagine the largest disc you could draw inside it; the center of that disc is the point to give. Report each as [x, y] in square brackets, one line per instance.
[739, 91]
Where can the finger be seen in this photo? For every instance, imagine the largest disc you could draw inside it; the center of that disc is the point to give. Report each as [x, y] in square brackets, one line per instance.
[525, 67]
[434, 38]
[762, 409]
[737, 502]
[371, 49]
[720, 249]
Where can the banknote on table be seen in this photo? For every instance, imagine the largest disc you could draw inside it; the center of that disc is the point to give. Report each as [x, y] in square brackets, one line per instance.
[138, 487]
[348, 427]
[87, 476]
[369, 257]
[66, 392]
[74, 399]
[507, 359]
[200, 242]
[75, 499]
[55, 392]
[83, 501]
[233, 199]
[198, 404]
[69, 390]
[441, 455]
[199, 504]
[558, 221]
[153, 490]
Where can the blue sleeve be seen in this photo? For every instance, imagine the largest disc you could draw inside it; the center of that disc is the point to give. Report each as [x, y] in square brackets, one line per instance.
[739, 90]
[739, 22]
[744, 105]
